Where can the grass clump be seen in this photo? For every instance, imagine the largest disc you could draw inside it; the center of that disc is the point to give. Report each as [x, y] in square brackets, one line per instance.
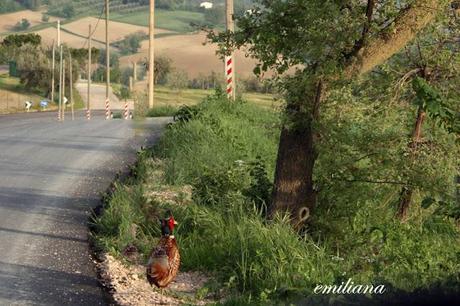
[162, 111]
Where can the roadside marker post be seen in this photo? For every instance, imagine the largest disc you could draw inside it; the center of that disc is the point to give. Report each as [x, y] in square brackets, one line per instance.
[230, 60]
[229, 71]
[126, 110]
[107, 109]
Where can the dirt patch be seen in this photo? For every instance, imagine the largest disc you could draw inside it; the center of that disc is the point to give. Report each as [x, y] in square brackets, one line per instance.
[8, 21]
[189, 54]
[128, 285]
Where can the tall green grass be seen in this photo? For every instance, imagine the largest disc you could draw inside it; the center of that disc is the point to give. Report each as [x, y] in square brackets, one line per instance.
[226, 152]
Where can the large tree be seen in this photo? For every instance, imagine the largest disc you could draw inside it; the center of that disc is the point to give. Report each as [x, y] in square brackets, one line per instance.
[321, 44]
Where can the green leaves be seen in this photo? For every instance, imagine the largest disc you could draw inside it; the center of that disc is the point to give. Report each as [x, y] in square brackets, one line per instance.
[433, 103]
[377, 235]
[427, 202]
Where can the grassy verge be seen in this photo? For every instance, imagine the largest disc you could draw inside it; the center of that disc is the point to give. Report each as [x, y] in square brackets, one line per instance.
[168, 97]
[13, 95]
[226, 152]
[162, 111]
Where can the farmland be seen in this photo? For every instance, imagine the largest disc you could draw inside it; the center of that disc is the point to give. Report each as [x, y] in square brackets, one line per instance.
[190, 55]
[8, 21]
[176, 37]
[49, 35]
[118, 30]
[177, 21]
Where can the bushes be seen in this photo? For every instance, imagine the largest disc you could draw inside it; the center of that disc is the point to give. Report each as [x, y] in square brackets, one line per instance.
[131, 43]
[162, 111]
[217, 134]
[22, 25]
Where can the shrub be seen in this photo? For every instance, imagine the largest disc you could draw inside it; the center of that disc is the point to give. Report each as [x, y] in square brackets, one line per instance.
[22, 25]
[162, 111]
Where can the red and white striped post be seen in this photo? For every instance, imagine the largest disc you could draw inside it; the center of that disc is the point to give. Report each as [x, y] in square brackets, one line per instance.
[107, 109]
[229, 71]
[126, 110]
[88, 114]
[230, 60]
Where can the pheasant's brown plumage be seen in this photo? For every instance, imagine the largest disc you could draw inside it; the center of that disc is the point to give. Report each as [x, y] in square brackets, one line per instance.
[164, 260]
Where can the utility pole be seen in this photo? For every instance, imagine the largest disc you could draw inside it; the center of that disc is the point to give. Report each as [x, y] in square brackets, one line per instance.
[59, 33]
[71, 86]
[53, 67]
[230, 59]
[107, 51]
[60, 66]
[60, 83]
[135, 71]
[88, 104]
[151, 52]
[63, 91]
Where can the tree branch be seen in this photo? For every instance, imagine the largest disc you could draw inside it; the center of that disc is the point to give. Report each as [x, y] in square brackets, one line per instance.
[406, 27]
[367, 26]
[369, 181]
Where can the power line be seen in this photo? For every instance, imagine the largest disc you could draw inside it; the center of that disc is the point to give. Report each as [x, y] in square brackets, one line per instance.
[97, 23]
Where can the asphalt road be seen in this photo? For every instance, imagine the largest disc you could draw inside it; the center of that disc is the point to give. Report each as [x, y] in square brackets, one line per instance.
[51, 173]
[98, 96]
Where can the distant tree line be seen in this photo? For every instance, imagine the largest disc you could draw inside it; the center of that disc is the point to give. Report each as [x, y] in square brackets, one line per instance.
[7, 6]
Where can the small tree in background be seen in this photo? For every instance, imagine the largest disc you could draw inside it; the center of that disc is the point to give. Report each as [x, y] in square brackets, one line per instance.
[178, 81]
[163, 67]
[22, 25]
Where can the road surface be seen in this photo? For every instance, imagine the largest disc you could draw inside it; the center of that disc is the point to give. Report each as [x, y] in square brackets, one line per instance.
[51, 173]
[98, 96]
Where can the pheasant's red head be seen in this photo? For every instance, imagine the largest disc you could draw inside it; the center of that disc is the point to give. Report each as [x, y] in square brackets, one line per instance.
[171, 223]
[167, 225]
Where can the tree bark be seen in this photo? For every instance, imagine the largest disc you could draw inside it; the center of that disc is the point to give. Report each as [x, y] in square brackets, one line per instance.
[405, 28]
[405, 198]
[294, 190]
[294, 187]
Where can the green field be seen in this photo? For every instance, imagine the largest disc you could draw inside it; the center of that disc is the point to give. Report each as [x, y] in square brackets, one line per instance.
[165, 96]
[13, 85]
[13, 94]
[178, 21]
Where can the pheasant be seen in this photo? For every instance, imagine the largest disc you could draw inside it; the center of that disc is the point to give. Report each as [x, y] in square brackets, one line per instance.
[164, 260]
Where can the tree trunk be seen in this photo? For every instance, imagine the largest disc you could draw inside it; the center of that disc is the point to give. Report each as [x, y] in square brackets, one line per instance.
[405, 198]
[294, 191]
